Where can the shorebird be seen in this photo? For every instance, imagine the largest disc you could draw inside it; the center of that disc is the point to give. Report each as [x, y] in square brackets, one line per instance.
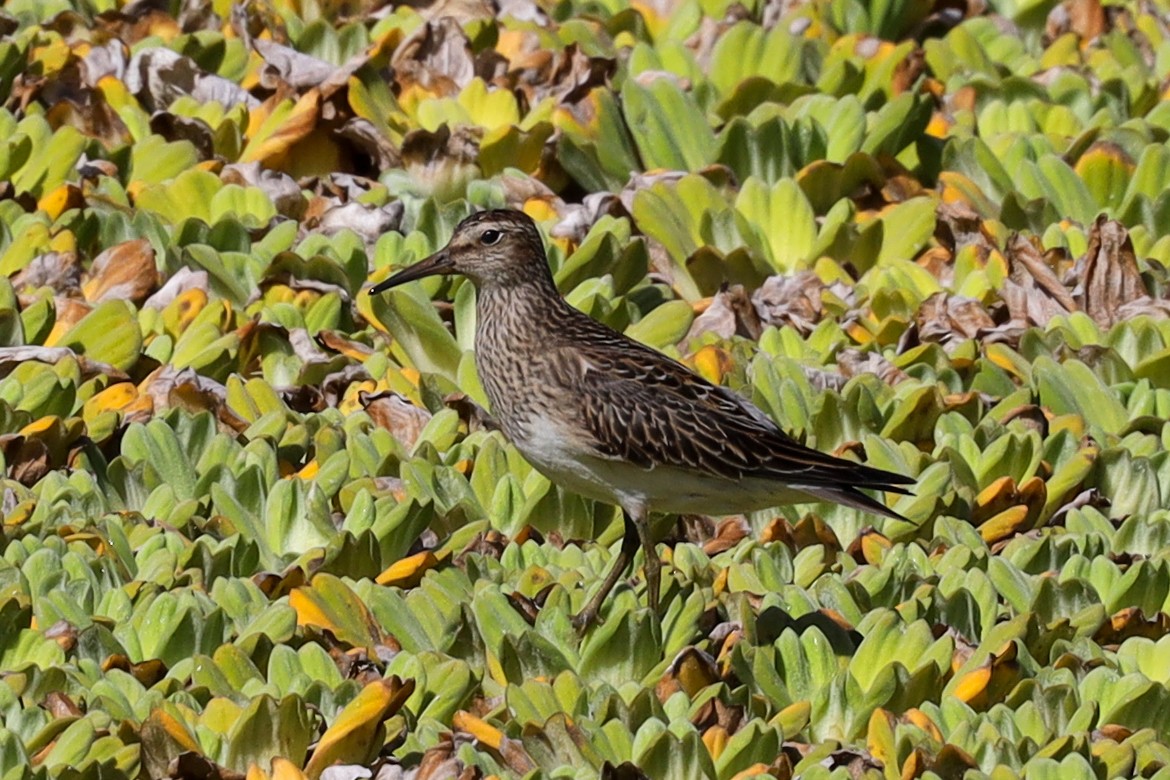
[614, 420]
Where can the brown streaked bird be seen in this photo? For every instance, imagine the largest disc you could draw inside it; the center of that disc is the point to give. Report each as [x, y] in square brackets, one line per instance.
[614, 420]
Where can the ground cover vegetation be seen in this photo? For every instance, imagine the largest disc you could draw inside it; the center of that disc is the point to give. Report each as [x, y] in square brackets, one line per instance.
[256, 523]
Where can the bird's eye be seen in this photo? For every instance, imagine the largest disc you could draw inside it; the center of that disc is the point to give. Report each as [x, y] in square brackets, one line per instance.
[489, 237]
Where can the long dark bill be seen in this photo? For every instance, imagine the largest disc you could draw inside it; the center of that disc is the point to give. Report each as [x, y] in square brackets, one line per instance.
[438, 263]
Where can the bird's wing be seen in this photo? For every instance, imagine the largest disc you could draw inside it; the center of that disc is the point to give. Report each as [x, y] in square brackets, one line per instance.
[640, 406]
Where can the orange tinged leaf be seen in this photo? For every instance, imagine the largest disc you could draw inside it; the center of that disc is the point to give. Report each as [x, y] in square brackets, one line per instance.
[478, 728]
[939, 126]
[914, 765]
[180, 312]
[125, 271]
[356, 735]
[283, 769]
[113, 398]
[539, 209]
[60, 200]
[309, 612]
[173, 729]
[1005, 524]
[720, 584]
[70, 311]
[973, 683]
[923, 721]
[859, 333]
[276, 125]
[712, 363]
[715, 739]
[40, 425]
[407, 572]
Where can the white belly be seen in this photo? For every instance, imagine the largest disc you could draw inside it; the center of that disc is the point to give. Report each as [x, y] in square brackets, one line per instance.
[660, 489]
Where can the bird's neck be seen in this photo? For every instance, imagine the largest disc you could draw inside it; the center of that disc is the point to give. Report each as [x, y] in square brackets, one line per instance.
[507, 310]
[515, 325]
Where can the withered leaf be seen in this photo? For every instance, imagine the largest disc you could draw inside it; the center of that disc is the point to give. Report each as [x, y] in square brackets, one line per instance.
[159, 76]
[1032, 292]
[791, 300]
[943, 317]
[853, 362]
[58, 270]
[437, 56]
[391, 411]
[1109, 273]
[730, 313]
[125, 271]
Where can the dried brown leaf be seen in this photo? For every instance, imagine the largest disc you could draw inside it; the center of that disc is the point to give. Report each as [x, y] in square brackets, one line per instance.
[791, 300]
[1108, 273]
[28, 458]
[159, 76]
[1032, 292]
[183, 280]
[730, 313]
[942, 318]
[10, 357]
[280, 188]
[436, 56]
[396, 414]
[125, 271]
[58, 270]
[853, 362]
[728, 534]
[441, 159]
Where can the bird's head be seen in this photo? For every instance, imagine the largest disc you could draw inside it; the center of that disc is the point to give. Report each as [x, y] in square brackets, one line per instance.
[499, 248]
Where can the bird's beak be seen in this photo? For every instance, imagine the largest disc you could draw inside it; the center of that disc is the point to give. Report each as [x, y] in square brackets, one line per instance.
[438, 263]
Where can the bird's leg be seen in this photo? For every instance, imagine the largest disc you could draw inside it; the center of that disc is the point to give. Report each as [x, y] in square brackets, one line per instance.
[653, 563]
[588, 616]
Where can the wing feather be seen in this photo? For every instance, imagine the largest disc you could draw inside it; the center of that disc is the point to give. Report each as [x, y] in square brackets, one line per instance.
[639, 405]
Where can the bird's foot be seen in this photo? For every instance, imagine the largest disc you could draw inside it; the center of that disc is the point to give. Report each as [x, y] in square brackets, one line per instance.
[585, 619]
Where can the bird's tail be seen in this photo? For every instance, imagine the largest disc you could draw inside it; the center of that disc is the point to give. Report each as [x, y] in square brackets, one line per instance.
[852, 497]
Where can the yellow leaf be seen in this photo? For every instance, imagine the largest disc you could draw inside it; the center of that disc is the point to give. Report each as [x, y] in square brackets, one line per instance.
[407, 572]
[755, 770]
[283, 769]
[174, 730]
[478, 728]
[923, 721]
[329, 604]
[880, 737]
[715, 738]
[720, 584]
[67, 196]
[793, 718]
[539, 209]
[275, 126]
[114, 397]
[489, 109]
[1005, 524]
[355, 736]
[712, 363]
[180, 312]
[973, 683]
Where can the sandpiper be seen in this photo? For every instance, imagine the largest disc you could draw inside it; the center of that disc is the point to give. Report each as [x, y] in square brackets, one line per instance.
[614, 420]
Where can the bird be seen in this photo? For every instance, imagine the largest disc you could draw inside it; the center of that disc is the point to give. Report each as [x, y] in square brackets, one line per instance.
[614, 420]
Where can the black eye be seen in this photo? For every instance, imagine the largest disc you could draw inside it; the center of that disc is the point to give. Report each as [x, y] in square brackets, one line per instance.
[489, 237]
